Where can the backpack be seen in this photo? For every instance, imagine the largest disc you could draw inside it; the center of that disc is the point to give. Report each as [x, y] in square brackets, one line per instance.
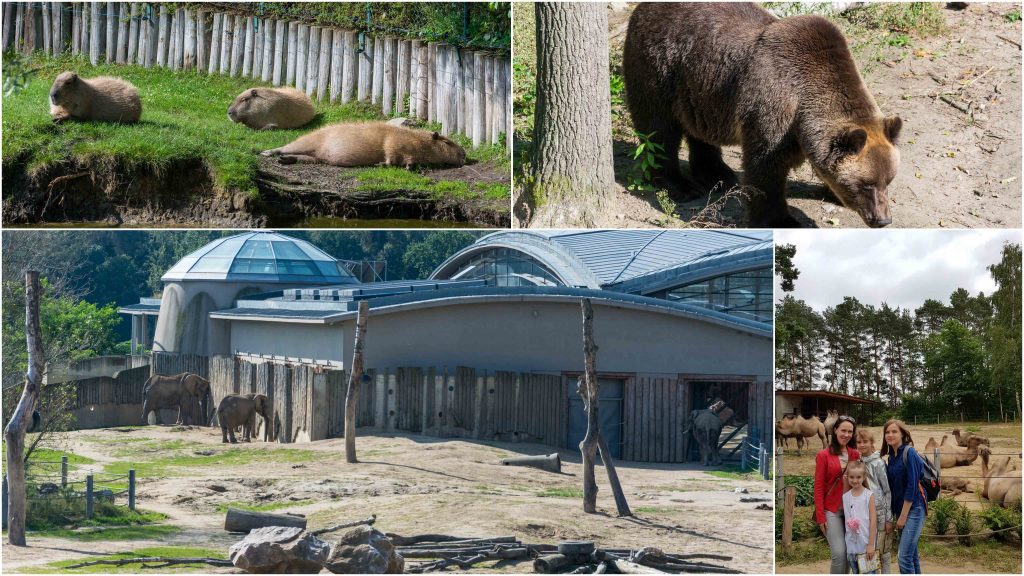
[930, 485]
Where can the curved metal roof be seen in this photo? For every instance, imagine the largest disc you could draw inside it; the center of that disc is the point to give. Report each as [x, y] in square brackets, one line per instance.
[633, 261]
[263, 257]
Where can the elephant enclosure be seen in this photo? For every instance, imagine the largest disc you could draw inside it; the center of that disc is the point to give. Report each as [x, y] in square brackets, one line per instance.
[415, 484]
[1005, 438]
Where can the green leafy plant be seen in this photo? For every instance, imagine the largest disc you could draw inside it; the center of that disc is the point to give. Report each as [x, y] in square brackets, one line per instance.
[804, 489]
[648, 156]
[999, 518]
[898, 40]
[667, 205]
[17, 72]
[964, 524]
[618, 88]
[1013, 15]
[941, 514]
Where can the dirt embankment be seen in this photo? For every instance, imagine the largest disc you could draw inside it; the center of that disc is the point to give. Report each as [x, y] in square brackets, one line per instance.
[183, 195]
[416, 485]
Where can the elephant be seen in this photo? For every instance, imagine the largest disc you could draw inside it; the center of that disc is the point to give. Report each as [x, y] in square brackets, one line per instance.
[707, 428]
[241, 410]
[172, 392]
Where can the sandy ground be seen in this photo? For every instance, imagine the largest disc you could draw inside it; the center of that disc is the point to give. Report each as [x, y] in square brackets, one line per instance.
[959, 169]
[1005, 441]
[927, 567]
[417, 485]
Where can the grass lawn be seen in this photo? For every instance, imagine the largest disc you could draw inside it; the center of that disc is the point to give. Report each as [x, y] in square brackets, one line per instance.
[165, 551]
[184, 118]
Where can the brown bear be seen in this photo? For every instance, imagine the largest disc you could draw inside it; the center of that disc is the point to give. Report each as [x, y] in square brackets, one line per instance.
[784, 90]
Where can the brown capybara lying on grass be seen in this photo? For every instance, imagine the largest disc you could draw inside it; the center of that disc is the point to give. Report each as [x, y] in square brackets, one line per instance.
[370, 144]
[272, 108]
[105, 99]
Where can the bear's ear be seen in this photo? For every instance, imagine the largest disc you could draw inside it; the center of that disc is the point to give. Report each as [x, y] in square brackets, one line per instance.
[850, 141]
[73, 78]
[436, 136]
[893, 125]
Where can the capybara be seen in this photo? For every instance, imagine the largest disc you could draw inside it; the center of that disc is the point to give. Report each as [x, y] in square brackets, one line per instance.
[105, 98]
[784, 90]
[272, 108]
[370, 144]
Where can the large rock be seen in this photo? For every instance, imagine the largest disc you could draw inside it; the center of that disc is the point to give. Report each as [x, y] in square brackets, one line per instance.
[280, 550]
[364, 550]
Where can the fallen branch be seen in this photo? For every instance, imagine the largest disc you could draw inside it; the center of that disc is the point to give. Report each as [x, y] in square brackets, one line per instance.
[150, 559]
[979, 77]
[961, 107]
[369, 521]
[1014, 42]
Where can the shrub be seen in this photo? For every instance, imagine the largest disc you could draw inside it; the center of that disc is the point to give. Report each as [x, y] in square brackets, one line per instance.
[941, 514]
[804, 489]
[964, 524]
[998, 518]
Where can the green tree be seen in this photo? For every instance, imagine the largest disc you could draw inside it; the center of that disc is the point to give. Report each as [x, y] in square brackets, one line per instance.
[784, 267]
[955, 362]
[423, 256]
[797, 344]
[1005, 340]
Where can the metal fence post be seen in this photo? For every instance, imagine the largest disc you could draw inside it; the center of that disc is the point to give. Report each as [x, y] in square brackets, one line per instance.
[88, 496]
[780, 477]
[763, 455]
[743, 456]
[131, 489]
[5, 501]
[937, 461]
[64, 471]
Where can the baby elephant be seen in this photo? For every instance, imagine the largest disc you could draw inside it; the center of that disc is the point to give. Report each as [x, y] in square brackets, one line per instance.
[241, 410]
[105, 99]
[272, 108]
[370, 144]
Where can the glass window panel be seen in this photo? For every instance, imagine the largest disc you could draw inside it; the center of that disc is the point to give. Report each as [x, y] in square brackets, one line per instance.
[227, 248]
[212, 264]
[297, 267]
[745, 294]
[256, 249]
[288, 250]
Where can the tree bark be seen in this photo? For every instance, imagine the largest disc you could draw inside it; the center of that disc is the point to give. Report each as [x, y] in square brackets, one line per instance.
[594, 441]
[572, 166]
[14, 434]
[352, 397]
[245, 520]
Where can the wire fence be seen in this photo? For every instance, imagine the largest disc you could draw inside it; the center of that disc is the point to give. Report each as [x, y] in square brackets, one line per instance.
[756, 457]
[465, 91]
[73, 484]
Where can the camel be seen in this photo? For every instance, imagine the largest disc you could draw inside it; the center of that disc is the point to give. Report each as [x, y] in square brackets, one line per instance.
[955, 485]
[800, 427]
[962, 440]
[782, 440]
[950, 454]
[830, 420]
[1002, 485]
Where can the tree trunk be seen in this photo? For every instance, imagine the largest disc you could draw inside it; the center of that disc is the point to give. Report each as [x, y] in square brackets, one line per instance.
[352, 397]
[572, 140]
[593, 442]
[14, 435]
[245, 520]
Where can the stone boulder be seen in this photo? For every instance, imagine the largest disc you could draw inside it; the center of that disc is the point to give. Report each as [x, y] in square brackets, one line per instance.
[364, 550]
[280, 550]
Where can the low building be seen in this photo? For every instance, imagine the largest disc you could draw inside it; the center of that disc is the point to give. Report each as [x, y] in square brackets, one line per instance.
[818, 402]
[490, 345]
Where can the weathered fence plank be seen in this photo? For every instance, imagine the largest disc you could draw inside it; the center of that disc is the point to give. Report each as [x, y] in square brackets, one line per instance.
[323, 75]
[312, 61]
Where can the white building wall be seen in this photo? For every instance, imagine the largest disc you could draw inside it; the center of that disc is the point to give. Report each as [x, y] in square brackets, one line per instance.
[293, 341]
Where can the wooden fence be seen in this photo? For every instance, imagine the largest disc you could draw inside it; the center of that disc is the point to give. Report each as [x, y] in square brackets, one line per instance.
[165, 363]
[465, 91]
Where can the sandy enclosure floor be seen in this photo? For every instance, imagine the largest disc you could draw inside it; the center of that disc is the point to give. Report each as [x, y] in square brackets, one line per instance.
[415, 485]
[1005, 439]
[959, 169]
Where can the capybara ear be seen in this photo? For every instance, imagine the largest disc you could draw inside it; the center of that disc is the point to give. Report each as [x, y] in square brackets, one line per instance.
[253, 93]
[436, 136]
[893, 125]
[850, 141]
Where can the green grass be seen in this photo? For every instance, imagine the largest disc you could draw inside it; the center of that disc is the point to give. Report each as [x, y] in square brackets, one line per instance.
[165, 551]
[169, 463]
[184, 119]
[921, 19]
[141, 532]
[222, 508]
[385, 178]
[1013, 15]
[734, 473]
[560, 493]
[654, 510]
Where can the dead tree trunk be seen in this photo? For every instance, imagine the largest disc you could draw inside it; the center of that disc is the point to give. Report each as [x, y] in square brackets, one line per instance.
[352, 397]
[594, 441]
[14, 435]
[573, 174]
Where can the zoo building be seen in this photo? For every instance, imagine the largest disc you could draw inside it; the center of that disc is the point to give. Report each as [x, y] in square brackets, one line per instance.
[490, 345]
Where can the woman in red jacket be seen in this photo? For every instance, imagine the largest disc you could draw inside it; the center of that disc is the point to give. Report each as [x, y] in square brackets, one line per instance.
[829, 485]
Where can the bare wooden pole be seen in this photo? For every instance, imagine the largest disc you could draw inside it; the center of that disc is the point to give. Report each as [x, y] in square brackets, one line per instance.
[323, 75]
[162, 38]
[337, 59]
[189, 60]
[349, 67]
[293, 40]
[404, 62]
[267, 70]
[122, 32]
[422, 85]
[365, 77]
[238, 44]
[593, 442]
[388, 80]
[94, 33]
[47, 27]
[356, 375]
[112, 17]
[9, 18]
[377, 86]
[312, 60]
[215, 38]
[247, 50]
[280, 37]
[14, 434]
[133, 35]
[226, 34]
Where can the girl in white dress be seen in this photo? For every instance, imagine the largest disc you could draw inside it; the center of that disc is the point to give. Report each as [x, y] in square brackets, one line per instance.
[861, 521]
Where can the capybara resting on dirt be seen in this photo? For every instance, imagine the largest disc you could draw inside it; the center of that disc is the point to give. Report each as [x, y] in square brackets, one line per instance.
[724, 74]
[105, 98]
[272, 108]
[370, 144]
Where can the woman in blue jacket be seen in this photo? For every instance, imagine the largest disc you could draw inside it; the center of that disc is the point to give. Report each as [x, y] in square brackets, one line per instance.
[908, 504]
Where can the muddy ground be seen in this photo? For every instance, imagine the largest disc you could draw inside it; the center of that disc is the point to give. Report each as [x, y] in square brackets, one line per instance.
[184, 196]
[961, 161]
[416, 484]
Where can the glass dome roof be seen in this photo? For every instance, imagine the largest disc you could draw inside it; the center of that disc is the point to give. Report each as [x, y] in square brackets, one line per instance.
[262, 256]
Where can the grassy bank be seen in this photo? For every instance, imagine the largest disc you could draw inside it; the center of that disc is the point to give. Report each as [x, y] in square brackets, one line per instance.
[184, 118]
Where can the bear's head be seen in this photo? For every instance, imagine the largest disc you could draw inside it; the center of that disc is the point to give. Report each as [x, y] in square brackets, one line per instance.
[859, 165]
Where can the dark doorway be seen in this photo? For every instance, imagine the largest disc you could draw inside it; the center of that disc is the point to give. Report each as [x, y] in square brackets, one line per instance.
[610, 414]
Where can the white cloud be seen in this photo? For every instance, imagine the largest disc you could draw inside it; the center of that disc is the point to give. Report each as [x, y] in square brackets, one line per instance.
[900, 267]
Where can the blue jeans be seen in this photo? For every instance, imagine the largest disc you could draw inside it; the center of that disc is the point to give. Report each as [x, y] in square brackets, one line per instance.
[910, 562]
